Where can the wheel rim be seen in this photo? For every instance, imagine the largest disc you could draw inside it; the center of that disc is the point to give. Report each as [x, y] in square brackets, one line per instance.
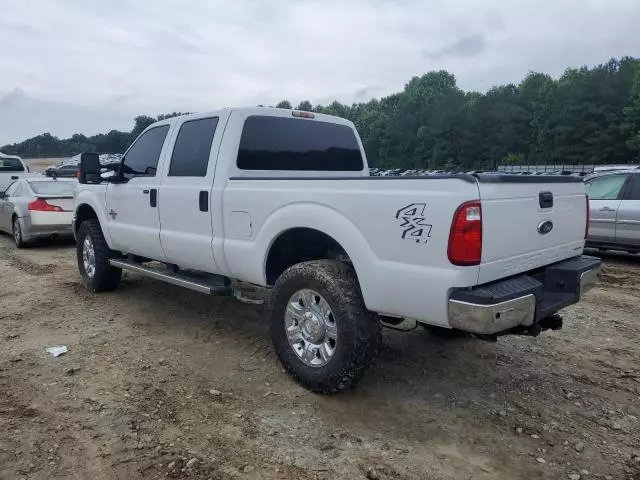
[311, 328]
[17, 235]
[88, 257]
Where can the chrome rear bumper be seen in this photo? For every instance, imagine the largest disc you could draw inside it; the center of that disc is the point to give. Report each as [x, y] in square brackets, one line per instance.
[522, 301]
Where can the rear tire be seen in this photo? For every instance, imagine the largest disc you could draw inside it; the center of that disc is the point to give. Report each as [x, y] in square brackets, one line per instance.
[17, 233]
[93, 255]
[332, 287]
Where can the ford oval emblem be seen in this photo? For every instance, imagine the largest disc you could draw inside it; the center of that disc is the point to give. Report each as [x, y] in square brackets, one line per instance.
[545, 227]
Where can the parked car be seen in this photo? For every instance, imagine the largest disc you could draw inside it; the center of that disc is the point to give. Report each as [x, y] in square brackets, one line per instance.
[11, 169]
[614, 220]
[69, 170]
[283, 199]
[37, 207]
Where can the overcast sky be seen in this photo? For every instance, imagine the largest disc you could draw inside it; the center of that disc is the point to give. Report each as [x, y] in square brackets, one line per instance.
[87, 66]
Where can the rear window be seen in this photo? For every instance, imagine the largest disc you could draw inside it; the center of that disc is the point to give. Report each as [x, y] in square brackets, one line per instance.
[11, 165]
[279, 143]
[53, 188]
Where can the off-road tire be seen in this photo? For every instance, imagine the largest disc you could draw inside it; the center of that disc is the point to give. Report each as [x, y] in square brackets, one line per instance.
[105, 277]
[17, 236]
[359, 337]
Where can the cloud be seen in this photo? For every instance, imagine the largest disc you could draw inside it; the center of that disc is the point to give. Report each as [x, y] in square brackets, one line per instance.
[465, 47]
[116, 59]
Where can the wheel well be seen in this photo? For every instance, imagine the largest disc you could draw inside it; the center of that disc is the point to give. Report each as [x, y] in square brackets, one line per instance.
[85, 212]
[301, 245]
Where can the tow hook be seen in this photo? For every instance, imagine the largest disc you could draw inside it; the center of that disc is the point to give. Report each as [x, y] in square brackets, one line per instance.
[552, 322]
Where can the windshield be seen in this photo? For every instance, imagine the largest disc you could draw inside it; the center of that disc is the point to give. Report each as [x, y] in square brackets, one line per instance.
[53, 188]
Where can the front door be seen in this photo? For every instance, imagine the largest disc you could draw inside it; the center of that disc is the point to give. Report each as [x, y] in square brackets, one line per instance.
[132, 206]
[186, 232]
[604, 199]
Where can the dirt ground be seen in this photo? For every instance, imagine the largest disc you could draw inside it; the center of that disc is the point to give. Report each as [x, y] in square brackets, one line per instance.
[160, 382]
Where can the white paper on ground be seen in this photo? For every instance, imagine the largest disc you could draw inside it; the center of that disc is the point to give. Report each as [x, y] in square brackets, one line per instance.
[57, 351]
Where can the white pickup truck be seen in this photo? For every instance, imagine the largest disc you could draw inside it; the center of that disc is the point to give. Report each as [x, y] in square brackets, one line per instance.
[12, 168]
[283, 199]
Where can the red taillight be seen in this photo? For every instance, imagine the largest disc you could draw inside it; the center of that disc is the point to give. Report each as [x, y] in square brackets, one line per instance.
[41, 205]
[586, 227]
[465, 239]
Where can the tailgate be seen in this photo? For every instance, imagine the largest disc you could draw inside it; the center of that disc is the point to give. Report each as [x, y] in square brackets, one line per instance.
[529, 222]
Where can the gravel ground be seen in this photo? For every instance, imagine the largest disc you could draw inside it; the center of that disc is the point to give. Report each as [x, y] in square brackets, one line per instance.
[160, 382]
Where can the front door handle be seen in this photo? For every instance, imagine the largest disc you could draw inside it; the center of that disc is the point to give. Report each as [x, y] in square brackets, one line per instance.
[607, 209]
[153, 197]
[203, 201]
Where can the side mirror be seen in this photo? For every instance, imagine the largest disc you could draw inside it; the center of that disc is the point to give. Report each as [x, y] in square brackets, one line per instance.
[89, 171]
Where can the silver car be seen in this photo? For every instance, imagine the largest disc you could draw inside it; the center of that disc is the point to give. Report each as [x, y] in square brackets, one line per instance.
[33, 208]
[614, 213]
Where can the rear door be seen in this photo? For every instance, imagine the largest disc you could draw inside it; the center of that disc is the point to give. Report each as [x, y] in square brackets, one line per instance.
[529, 222]
[628, 220]
[605, 194]
[186, 214]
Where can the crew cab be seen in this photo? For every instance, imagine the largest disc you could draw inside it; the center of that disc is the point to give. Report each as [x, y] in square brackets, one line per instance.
[283, 199]
[12, 168]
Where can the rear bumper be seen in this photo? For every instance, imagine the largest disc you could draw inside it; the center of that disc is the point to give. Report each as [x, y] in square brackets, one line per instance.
[523, 301]
[46, 225]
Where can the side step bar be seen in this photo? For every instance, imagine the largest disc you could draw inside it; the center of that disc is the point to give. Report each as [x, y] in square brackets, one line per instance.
[211, 285]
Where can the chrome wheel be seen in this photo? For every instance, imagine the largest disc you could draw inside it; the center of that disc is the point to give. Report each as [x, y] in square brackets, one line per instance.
[88, 257]
[311, 328]
[17, 233]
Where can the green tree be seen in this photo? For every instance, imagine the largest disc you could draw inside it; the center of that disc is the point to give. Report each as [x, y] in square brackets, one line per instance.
[284, 104]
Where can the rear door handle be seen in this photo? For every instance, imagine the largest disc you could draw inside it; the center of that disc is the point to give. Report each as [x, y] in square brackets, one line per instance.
[607, 209]
[145, 191]
[153, 197]
[203, 201]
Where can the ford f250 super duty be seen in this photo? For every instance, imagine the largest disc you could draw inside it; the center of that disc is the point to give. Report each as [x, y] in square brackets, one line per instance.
[283, 199]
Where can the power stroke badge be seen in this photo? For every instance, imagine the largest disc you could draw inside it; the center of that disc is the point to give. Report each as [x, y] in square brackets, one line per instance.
[413, 222]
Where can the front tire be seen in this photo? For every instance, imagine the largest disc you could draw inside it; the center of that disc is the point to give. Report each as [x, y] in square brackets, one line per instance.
[321, 330]
[93, 255]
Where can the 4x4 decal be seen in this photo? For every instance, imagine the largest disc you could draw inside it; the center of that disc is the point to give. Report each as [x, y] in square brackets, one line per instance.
[414, 223]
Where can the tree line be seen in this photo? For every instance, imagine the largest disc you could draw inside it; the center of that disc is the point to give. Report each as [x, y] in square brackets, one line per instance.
[587, 116]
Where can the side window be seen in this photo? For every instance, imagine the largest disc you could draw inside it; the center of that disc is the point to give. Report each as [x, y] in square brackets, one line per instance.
[605, 188]
[192, 148]
[634, 194]
[142, 158]
[11, 165]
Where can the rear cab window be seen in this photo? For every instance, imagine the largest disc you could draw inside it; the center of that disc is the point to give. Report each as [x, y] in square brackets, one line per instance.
[294, 144]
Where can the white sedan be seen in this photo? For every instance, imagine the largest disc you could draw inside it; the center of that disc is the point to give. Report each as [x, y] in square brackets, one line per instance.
[32, 208]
